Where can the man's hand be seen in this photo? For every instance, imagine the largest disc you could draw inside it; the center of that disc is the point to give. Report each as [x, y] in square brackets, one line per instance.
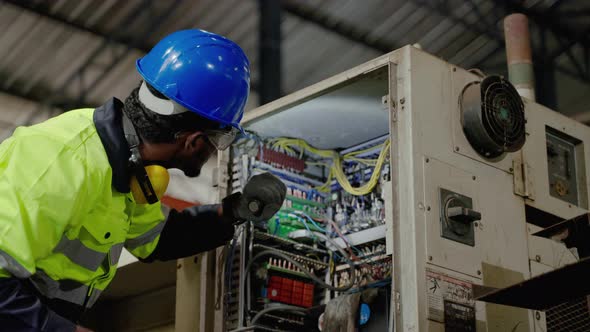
[263, 196]
[82, 329]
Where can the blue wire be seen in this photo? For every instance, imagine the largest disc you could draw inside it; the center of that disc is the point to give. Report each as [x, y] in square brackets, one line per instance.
[256, 139]
[277, 225]
[357, 250]
[306, 226]
[312, 221]
[284, 176]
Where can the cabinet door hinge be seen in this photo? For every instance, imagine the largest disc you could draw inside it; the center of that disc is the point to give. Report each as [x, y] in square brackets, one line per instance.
[523, 181]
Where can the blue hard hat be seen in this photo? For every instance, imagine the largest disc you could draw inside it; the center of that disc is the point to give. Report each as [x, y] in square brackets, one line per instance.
[204, 72]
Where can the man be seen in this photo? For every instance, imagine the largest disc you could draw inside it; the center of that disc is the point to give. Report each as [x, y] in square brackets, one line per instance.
[66, 204]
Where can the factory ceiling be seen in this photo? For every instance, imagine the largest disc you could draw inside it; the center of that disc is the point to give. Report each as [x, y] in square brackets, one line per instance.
[65, 54]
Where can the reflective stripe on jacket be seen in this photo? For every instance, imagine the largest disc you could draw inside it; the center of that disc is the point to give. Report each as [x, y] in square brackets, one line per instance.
[63, 223]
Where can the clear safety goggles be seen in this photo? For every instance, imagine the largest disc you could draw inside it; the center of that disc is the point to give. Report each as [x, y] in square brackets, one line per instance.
[221, 138]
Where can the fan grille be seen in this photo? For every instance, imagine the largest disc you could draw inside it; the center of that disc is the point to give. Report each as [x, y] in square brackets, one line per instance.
[572, 316]
[503, 113]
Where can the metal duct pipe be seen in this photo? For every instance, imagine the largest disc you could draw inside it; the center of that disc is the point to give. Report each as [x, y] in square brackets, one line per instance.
[519, 55]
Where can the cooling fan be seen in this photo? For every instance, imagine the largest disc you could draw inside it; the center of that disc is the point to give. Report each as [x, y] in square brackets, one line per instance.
[493, 117]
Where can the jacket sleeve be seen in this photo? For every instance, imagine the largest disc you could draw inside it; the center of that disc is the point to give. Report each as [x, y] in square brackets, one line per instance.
[21, 310]
[147, 222]
[194, 230]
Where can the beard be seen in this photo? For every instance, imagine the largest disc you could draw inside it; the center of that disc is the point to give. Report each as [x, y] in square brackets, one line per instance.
[191, 167]
[190, 162]
[192, 172]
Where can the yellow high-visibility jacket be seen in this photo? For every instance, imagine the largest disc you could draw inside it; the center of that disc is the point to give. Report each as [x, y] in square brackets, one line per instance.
[66, 211]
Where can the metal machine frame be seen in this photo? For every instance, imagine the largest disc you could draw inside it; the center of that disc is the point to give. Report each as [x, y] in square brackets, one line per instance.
[430, 155]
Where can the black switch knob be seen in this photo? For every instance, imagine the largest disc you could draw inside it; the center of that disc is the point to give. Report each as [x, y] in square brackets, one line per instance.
[463, 214]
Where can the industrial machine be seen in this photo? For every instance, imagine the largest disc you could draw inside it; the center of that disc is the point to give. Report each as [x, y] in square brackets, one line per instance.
[412, 185]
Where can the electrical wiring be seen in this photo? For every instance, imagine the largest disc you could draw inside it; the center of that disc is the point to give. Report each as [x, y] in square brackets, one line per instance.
[250, 136]
[352, 256]
[288, 143]
[277, 308]
[320, 282]
[357, 152]
[368, 187]
[277, 142]
[284, 174]
[343, 169]
[336, 167]
[344, 264]
[315, 235]
[303, 222]
[348, 245]
[221, 264]
[328, 184]
[317, 163]
[368, 162]
[311, 220]
[252, 327]
[377, 284]
[261, 313]
[277, 225]
[339, 233]
[291, 145]
[229, 260]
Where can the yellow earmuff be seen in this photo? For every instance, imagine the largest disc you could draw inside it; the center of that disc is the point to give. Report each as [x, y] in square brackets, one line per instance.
[159, 178]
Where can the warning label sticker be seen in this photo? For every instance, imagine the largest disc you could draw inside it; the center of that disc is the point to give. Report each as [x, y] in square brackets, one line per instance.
[442, 289]
[459, 317]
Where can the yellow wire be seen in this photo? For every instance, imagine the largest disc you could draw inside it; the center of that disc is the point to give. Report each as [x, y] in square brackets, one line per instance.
[326, 186]
[336, 169]
[367, 187]
[354, 153]
[317, 163]
[370, 162]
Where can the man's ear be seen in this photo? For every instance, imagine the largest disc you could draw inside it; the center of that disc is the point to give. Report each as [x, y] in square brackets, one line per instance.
[190, 139]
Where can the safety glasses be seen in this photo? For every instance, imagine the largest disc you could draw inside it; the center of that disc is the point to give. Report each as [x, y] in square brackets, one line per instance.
[220, 138]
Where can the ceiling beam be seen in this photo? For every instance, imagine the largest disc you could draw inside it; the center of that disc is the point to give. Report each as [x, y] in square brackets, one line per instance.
[50, 98]
[337, 26]
[269, 50]
[43, 11]
[360, 36]
[53, 99]
[556, 4]
[32, 97]
[573, 13]
[569, 44]
[155, 22]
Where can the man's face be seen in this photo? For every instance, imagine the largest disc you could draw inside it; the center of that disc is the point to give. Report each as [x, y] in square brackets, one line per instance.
[194, 154]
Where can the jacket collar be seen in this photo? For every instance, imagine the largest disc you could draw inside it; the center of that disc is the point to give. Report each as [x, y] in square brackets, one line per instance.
[108, 122]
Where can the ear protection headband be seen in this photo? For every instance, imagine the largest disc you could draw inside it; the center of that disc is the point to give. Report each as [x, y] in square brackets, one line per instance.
[142, 177]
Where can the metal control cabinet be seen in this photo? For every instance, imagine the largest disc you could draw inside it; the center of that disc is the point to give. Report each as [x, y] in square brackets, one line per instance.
[437, 176]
